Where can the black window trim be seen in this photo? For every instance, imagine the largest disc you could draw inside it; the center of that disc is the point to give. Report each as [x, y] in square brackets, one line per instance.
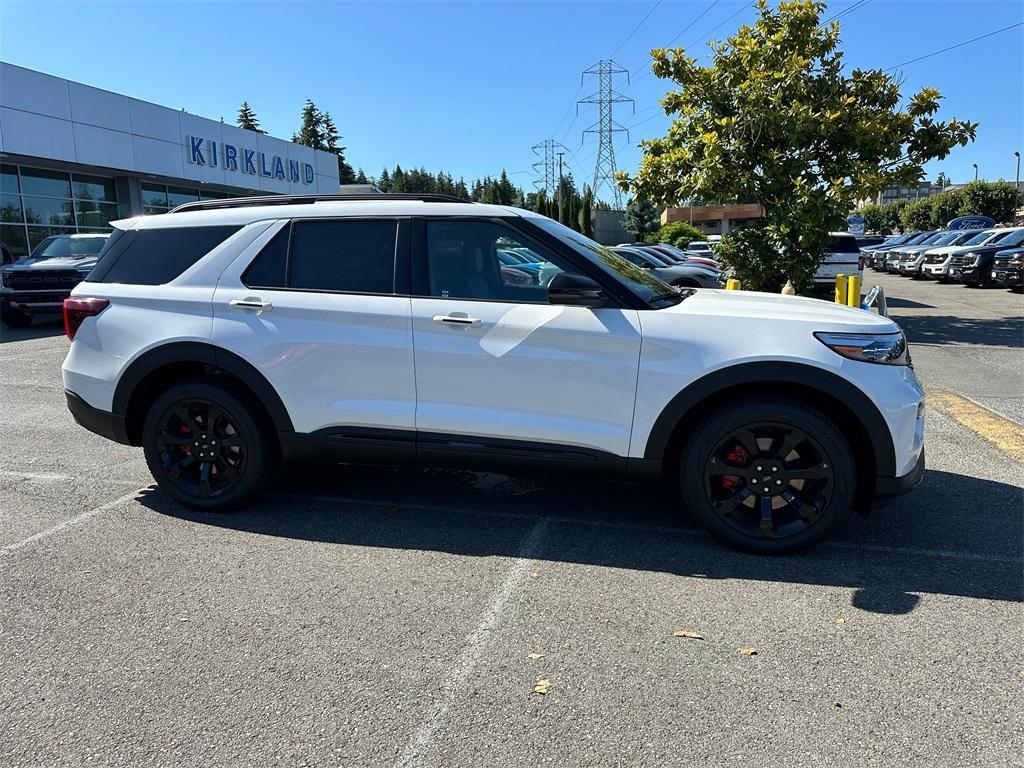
[400, 272]
[620, 297]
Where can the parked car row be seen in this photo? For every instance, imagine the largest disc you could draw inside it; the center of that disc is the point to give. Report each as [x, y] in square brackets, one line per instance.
[683, 269]
[973, 257]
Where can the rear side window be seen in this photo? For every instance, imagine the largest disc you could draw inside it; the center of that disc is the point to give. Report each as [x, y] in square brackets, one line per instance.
[354, 256]
[156, 256]
[345, 255]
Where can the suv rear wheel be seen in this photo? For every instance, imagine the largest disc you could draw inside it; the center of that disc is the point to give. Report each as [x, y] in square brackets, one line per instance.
[209, 445]
[768, 475]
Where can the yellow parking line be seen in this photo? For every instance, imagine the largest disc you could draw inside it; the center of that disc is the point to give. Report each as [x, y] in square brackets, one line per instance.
[1004, 434]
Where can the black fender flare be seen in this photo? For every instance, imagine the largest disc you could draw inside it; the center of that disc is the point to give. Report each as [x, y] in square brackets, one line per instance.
[779, 372]
[198, 352]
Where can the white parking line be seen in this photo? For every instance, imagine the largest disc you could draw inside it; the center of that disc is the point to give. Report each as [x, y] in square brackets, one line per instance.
[78, 519]
[34, 475]
[666, 529]
[474, 647]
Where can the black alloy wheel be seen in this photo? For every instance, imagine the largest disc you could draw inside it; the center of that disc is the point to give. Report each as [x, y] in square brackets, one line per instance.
[769, 475]
[202, 450]
[769, 480]
[209, 445]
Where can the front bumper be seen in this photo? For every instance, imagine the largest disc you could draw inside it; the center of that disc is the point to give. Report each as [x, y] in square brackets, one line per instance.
[109, 425]
[1011, 278]
[891, 487]
[34, 301]
[966, 275]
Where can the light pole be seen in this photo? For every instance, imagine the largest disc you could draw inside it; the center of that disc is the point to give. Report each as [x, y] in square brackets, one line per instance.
[1016, 178]
[975, 171]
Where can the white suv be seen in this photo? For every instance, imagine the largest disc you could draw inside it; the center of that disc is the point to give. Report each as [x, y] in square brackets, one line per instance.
[227, 336]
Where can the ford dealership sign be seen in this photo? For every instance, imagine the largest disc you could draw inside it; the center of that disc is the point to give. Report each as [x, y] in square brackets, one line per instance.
[971, 222]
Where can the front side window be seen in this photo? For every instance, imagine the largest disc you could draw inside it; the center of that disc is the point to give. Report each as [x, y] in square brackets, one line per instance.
[654, 291]
[470, 260]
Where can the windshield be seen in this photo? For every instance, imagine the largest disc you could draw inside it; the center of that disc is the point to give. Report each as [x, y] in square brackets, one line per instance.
[651, 289]
[1011, 238]
[918, 238]
[67, 247]
[934, 239]
[949, 237]
[980, 238]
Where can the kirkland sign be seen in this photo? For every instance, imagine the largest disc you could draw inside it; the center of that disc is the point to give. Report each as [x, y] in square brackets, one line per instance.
[232, 158]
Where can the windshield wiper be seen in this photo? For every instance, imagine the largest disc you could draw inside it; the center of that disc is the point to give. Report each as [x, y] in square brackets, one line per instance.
[679, 295]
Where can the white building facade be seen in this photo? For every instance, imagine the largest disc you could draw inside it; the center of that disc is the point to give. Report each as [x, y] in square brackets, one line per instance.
[75, 158]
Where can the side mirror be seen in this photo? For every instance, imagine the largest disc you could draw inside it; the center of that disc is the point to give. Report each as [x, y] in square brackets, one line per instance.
[575, 291]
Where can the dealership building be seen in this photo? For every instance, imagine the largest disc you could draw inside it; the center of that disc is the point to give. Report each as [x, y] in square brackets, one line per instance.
[74, 158]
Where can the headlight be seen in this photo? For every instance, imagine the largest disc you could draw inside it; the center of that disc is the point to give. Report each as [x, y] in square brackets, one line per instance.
[84, 273]
[884, 348]
[971, 259]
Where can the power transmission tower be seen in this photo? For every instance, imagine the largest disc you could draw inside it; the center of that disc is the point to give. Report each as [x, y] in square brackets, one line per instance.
[561, 218]
[606, 127]
[547, 165]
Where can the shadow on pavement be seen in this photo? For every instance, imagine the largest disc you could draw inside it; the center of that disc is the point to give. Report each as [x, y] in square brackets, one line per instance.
[928, 541]
[41, 328]
[907, 304]
[950, 329]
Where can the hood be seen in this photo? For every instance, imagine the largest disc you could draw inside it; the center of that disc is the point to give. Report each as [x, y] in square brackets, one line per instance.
[1017, 250]
[685, 270]
[943, 250]
[87, 261]
[758, 307]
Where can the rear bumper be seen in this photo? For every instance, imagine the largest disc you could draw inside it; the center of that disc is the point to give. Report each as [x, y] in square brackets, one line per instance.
[891, 487]
[105, 424]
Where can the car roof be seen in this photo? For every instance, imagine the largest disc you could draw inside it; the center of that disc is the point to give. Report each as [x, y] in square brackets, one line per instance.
[248, 214]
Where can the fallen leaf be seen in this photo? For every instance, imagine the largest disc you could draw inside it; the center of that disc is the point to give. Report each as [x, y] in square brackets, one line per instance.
[688, 634]
[542, 686]
[840, 620]
[182, 618]
[535, 655]
[748, 651]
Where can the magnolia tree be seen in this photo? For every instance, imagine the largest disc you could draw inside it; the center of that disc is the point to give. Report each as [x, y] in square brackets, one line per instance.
[775, 120]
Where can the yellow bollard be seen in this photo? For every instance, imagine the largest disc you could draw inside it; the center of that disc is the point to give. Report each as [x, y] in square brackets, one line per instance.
[853, 291]
[841, 288]
[732, 284]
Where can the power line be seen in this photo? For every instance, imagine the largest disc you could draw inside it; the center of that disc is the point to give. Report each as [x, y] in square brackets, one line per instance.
[681, 33]
[640, 24]
[958, 45]
[857, 5]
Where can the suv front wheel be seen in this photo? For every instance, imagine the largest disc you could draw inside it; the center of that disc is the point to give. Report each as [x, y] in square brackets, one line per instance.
[209, 445]
[769, 475]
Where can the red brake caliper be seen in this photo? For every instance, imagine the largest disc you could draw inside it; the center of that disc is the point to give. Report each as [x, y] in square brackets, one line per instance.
[737, 456]
[183, 430]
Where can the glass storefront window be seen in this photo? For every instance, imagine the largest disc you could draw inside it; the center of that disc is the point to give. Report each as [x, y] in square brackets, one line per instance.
[178, 196]
[91, 214]
[10, 208]
[48, 210]
[13, 236]
[93, 188]
[9, 179]
[35, 181]
[154, 196]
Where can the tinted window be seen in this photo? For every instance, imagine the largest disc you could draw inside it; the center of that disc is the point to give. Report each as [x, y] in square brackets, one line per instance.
[268, 270]
[156, 256]
[354, 256]
[843, 245]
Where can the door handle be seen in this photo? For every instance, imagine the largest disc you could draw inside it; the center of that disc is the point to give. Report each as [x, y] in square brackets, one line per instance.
[458, 318]
[251, 302]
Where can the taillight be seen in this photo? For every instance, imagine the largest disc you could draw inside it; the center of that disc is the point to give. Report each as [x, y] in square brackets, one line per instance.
[77, 309]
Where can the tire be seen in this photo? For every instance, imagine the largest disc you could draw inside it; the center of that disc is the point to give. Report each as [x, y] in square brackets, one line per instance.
[800, 512]
[175, 429]
[12, 318]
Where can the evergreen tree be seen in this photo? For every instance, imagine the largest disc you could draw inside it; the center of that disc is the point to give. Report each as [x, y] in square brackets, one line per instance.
[247, 118]
[384, 181]
[586, 213]
[361, 177]
[641, 218]
[319, 132]
[310, 133]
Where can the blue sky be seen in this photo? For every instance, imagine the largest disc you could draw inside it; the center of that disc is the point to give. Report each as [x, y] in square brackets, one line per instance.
[469, 87]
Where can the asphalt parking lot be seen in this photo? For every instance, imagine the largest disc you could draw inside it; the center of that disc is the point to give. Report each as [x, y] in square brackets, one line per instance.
[384, 617]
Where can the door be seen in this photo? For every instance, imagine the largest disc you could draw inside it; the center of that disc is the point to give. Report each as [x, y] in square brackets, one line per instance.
[496, 362]
[318, 314]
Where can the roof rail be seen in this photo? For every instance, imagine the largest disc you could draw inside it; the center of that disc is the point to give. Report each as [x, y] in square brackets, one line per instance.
[243, 202]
